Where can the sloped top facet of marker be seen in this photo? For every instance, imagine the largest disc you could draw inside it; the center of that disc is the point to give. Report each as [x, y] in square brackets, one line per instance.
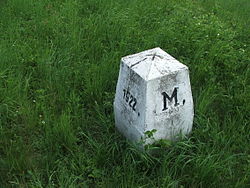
[153, 63]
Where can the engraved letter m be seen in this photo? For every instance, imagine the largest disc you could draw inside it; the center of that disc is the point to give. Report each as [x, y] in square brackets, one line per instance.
[166, 96]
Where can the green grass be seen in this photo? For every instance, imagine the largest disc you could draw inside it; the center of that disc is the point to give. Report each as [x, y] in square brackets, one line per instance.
[59, 63]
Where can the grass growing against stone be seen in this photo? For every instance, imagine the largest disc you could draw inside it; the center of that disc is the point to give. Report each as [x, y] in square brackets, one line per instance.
[59, 63]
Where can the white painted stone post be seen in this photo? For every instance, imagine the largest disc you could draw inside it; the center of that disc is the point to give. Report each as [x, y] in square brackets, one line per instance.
[153, 95]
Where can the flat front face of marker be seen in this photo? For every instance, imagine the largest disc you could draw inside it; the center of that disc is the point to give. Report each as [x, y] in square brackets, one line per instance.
[170, 105]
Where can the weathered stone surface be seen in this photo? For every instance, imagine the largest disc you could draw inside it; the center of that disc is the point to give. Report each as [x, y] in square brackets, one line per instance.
[153, 93]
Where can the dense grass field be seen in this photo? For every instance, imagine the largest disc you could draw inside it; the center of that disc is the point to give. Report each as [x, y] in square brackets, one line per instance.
[59, 63]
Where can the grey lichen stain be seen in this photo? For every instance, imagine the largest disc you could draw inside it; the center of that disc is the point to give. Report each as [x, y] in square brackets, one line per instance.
[165, 82]
[126, 113]
[133, 78]
[170, 124]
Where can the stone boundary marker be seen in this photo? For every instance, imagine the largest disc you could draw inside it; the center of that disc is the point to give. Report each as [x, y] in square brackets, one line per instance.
[153, 98]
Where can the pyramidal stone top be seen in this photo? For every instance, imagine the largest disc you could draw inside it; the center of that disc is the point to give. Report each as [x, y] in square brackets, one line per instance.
[153, 63]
